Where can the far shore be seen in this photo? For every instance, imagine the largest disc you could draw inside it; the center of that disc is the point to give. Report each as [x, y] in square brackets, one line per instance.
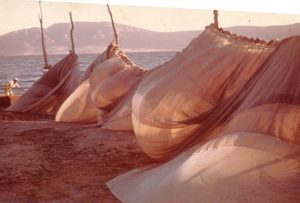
[92, 53]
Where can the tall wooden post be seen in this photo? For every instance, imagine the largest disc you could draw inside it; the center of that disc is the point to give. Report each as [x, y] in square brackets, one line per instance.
[71, 32]
[216, 21]
[47, 66]
[113, 25]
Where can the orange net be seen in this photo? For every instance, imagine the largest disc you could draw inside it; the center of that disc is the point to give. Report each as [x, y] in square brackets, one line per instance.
[47, 94]
[214, 67]
[106, 85]
[230, 122]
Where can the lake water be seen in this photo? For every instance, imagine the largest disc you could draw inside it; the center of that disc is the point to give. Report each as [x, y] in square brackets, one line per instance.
[29, 68]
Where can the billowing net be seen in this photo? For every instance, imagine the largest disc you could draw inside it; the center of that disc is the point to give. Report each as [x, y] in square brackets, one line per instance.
[212, 68]
[120, 119]
[78, 106]
[268, 104]
[47, 94]
[106, 85]
[239, 167]
[112, 85]
[246, 148]
[108, 53]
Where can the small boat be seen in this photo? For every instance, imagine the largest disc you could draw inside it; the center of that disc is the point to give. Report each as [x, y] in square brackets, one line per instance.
[6, 101]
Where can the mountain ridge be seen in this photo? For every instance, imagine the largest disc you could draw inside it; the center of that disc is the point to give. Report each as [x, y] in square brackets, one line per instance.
[93, 37]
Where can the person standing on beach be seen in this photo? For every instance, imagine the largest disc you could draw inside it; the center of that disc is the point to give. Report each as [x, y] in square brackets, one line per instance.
[10, 85]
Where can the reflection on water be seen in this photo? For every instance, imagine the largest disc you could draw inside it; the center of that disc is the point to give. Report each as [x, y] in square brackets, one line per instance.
[29, 68]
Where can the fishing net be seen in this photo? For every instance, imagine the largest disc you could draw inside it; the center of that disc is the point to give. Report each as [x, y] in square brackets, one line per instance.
[239, 167]
[106, 84]
[78, 106]
[212, 68]
[245, 148]
[47, 94]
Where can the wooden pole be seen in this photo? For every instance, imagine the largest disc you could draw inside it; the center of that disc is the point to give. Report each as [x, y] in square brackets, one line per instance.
[113, 25]
[216, 21]
[71, 32]
[43, 38]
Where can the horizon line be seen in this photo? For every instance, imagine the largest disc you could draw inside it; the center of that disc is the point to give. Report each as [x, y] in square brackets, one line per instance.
[144, 28]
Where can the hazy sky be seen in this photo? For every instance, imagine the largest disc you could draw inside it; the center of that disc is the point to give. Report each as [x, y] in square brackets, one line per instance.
[19, 14]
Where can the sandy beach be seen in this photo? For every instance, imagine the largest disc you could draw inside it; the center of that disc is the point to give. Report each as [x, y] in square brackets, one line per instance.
[46, 161]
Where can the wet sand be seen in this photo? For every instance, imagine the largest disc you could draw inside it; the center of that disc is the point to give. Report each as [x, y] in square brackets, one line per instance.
[41, 160]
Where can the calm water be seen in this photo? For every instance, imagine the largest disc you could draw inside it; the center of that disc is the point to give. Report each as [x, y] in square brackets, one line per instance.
[29, 68]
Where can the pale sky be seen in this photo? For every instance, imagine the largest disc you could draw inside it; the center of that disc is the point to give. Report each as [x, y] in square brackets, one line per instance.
[20, 14]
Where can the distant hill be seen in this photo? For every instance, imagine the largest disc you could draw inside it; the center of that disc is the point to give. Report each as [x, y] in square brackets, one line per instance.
[268, 32]
[93, 37]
